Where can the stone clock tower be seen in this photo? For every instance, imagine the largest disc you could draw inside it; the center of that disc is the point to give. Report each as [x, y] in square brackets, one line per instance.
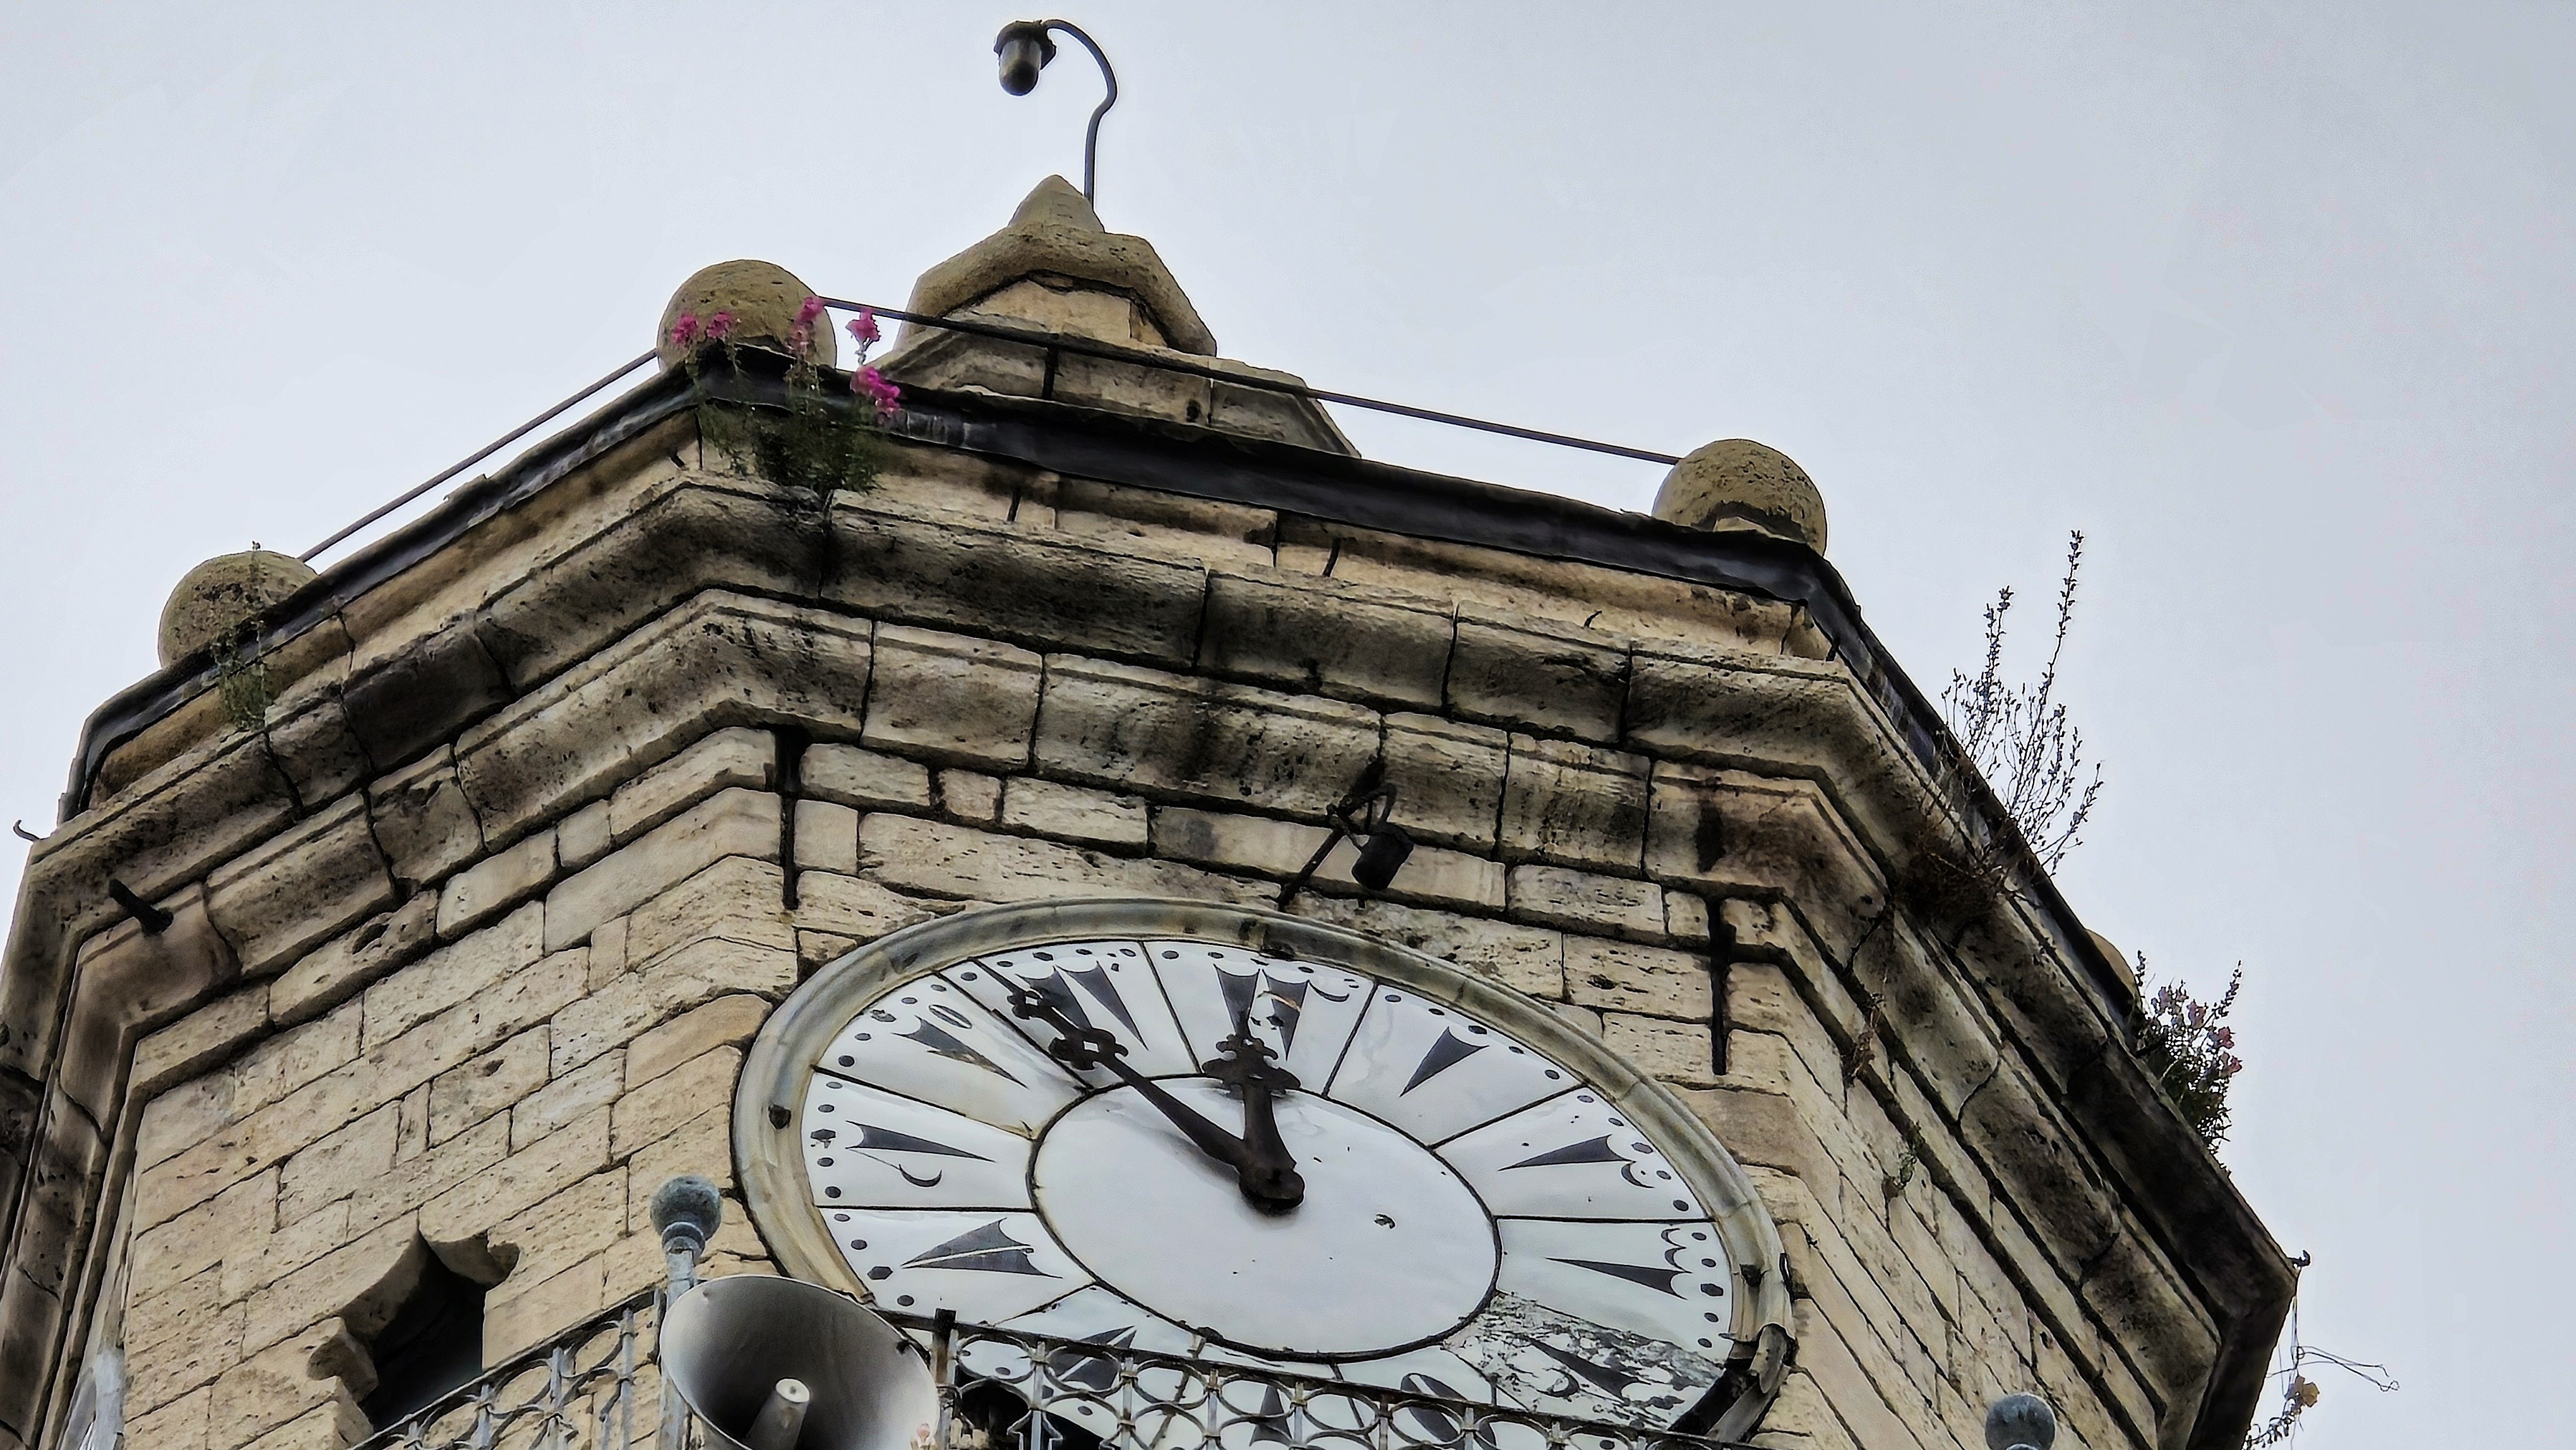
[1280, 947]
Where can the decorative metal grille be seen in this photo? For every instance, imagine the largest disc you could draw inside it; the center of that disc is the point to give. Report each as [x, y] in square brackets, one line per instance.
[1099, 1394]
[596, 1387]
[578, 1391]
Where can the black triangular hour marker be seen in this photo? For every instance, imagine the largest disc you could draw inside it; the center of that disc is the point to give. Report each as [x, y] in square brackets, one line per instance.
[1097, 980]
[1596, 1150]
[946, 1044]
[893, 1142]
[1445, 1054]
[1661, 1280]
[1287, 1001]
[989, 1248]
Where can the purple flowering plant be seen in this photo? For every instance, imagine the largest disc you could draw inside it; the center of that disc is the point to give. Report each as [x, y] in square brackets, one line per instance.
[811, 443]
[2188, 1045]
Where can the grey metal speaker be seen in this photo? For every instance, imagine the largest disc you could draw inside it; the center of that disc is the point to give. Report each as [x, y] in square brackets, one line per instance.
[779, 1364]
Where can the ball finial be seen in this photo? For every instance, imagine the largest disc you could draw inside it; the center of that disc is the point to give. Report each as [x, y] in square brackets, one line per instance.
[759, 301]
[214, 600]
[688, 1208]
[2020, 1422]
[1736, 483]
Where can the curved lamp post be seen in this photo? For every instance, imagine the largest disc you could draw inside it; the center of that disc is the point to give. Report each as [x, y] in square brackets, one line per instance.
[1025, 47]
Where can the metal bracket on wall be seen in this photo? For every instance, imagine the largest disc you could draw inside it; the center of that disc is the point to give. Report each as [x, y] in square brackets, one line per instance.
[1364, 816]
[152, 919]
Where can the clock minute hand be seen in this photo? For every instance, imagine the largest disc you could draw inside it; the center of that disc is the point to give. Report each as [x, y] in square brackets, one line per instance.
[1081, 1047]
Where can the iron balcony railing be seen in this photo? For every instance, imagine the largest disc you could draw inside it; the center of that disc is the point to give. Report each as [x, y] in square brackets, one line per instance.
[597, 1387]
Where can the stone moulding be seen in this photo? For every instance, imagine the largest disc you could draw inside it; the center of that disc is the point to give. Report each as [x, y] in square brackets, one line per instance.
[1200, 463]
[783, 1055]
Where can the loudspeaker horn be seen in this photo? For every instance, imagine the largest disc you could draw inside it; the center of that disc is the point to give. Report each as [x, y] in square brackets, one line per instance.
[779, 1364]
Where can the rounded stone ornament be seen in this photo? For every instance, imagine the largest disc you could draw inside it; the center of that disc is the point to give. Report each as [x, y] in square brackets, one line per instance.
[218, 596]
[2020, 1422]
[763, 298]
[1738, 483]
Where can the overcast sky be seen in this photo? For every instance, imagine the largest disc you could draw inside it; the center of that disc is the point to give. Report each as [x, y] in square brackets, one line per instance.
[2275, 306]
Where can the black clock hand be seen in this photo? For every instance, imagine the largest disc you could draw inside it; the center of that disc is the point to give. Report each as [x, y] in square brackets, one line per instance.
[1080, 1048]
[1268, 1176]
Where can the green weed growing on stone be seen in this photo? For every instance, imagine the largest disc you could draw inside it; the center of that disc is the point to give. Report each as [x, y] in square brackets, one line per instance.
[241, 674]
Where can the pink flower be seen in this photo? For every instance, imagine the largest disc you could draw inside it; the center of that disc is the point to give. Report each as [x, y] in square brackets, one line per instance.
[863, 327]
[873, 385]
[684, 331]
[718, 326]
[801, 331]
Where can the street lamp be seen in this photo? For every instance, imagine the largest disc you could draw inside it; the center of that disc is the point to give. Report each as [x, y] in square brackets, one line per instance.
[1025, 47]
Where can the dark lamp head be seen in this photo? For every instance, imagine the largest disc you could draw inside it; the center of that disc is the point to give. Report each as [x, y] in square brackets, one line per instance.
[1025, 48]
[1383, 856]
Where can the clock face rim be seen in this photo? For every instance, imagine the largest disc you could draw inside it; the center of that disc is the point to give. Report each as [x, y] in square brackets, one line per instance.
[776, 1072]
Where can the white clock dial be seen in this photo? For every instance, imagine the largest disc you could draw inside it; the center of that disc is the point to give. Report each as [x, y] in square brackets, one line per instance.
[865, 1145]
[1435, 1072]
[1380, 1210]
[1108, 985]
[1470, 1218]
[1304, 1011]
[931, 1042]
[987, 1266]
[1570, 1156]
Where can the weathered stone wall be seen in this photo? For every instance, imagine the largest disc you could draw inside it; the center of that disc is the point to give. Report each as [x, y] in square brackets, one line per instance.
[472, 933]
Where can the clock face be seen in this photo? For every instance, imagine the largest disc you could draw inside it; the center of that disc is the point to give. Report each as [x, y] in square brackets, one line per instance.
[1475, 1219]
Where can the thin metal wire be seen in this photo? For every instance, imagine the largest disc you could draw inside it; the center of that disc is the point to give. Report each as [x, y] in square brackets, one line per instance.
[1038, 338]
[478, 455]
[1085, 347]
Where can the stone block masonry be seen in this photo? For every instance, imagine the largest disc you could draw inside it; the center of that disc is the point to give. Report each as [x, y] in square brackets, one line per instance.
[480, 999]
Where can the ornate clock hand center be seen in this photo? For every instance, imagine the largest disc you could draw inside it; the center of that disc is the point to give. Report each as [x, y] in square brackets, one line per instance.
[1268, 1176]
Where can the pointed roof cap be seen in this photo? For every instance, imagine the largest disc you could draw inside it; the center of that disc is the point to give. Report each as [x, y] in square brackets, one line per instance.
[1056, 233]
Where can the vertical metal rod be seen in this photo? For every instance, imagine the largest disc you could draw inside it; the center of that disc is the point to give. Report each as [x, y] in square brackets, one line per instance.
[672, 1433]
[943, 1370]
[486, 1432]
[1091, 137]
[557, 1429]
[626, 1380]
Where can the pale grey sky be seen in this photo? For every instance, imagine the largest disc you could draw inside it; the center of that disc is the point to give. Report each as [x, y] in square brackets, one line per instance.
[2272, 301]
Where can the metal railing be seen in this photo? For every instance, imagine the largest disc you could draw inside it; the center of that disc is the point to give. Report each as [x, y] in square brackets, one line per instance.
[577, 1391]
[1026, 336]
[597, 1387]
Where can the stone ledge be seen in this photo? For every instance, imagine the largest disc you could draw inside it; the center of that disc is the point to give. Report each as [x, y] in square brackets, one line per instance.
[719, 660]
[1040, 594]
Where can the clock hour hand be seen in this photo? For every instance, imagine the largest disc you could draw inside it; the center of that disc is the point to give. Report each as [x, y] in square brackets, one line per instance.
[1082, 1047]
[1270, 1178]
